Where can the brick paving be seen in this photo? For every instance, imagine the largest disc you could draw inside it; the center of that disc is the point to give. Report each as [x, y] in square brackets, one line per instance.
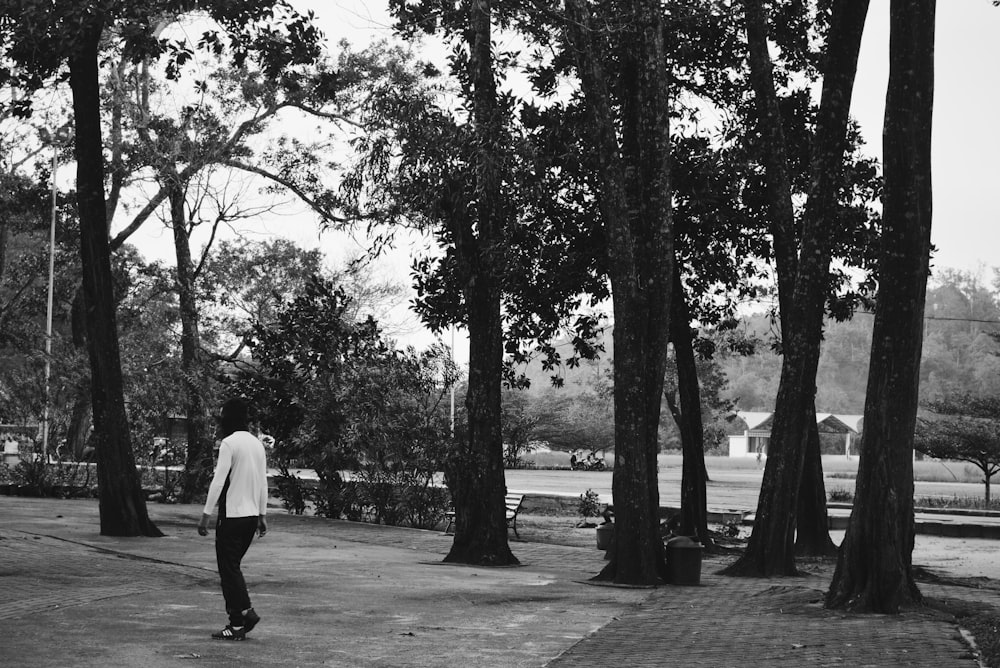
[723, 622]
[737, 622]
[39, 573]
[734, 622]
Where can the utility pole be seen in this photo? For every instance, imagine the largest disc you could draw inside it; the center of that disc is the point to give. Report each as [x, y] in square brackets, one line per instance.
[48, 312]
[453, 384]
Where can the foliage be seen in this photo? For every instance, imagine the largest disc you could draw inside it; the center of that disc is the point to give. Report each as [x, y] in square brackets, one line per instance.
[985, 628]
[398, 425]
[841, 495]
[956, 501]
[715, 404]
[291, 490]
[590, 504]
[36, 478]
[730, 529]
[243, 282]
[336, 396]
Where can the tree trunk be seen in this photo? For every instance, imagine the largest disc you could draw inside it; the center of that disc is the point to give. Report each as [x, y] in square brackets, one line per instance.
[477, 483]
[477, 479]
[771, 549]
[812, 525]
[122, 505]
[80, 418]
[198, 461]
[634, 182]
[874, 570]
[778, 180]
[694, 501]
[79, 426]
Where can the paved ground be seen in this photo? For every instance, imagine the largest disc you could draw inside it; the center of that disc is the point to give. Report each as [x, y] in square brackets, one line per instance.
[344, 594]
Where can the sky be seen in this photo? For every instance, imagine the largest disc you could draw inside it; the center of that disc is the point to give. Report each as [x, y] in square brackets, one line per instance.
[965, 152]
[966, 133]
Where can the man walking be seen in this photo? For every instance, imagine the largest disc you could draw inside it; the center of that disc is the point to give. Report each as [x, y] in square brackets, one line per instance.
[240, 488]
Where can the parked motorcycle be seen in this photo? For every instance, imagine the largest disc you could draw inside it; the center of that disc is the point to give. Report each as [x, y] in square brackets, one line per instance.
[590, 463]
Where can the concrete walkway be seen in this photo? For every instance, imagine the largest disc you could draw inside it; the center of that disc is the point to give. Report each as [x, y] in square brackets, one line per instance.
[343, 594]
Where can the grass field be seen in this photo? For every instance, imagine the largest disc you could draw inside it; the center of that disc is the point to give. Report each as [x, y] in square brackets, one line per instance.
[834, 466]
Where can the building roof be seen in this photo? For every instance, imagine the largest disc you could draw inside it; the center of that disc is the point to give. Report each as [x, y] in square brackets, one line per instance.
[754, 420]
[828, 422]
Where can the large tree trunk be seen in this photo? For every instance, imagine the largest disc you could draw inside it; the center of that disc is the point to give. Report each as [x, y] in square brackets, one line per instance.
[771, 549]
[198, 462]
[694, 501]
[812, 529]
[122, 505]
[477, 481]
[634, 180]
[874, 571]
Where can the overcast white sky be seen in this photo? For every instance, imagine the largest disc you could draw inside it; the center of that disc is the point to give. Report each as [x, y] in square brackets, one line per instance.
[966, 151]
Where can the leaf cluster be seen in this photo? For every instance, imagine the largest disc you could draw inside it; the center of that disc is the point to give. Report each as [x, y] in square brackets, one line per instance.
[37, 37]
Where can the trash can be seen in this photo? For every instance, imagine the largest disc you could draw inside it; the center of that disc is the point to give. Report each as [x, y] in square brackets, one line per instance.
[683, 561]
[604, 534]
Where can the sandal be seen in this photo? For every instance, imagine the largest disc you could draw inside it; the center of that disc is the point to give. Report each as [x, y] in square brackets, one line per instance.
[229, 633]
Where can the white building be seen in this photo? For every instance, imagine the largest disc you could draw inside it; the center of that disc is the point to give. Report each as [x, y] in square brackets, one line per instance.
[757, 432]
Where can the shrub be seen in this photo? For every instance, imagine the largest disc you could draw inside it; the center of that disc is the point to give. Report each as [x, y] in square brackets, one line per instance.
[35, 477]
[964, 502]
[590, 504]
[730, 529]
[290, 490]
[841, 495]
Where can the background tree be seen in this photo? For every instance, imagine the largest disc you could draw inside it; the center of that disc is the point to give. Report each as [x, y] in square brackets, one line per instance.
[242, 284]
[465, 193]
[519, 422]
[803, 286]
[204, 147]
[967, 430]
[874, 567]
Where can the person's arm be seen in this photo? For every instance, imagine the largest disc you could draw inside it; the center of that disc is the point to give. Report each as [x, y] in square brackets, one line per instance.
[215, 489]
[262, 502]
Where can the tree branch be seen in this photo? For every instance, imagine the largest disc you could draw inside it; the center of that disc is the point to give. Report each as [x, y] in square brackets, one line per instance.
[292, 187]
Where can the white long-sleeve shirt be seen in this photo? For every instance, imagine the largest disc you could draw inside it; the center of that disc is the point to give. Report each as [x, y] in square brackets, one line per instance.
[240, 481]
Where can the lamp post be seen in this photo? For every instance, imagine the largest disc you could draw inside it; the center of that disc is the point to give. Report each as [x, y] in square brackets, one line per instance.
[453, 384]
[60, 136]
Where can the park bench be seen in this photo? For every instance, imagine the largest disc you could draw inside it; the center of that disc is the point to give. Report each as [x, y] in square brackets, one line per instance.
[513, 506]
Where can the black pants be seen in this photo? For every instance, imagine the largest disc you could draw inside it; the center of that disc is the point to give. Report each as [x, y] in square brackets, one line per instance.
[232, 539]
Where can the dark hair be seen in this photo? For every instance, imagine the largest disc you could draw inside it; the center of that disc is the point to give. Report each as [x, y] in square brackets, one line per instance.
[235, 417]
